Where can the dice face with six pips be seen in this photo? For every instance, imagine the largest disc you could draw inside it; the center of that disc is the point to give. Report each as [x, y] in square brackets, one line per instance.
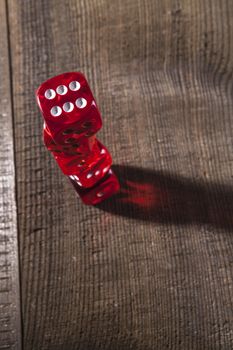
[71, 121]
[68, 107]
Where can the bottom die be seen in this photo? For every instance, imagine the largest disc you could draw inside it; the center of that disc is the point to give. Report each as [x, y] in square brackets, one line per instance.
[102, 190]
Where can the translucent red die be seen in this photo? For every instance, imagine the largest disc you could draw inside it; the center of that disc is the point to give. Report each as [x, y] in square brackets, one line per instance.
[107, 186]
[71, 120]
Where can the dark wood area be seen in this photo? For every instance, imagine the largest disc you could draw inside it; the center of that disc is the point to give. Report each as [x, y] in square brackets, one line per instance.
[151, 268]
[10, 315]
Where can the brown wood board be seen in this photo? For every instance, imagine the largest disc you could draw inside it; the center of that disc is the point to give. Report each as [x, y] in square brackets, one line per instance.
[152, 267]
[10, 316]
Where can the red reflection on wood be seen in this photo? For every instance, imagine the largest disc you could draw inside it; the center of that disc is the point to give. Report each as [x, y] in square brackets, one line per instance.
[144, 195]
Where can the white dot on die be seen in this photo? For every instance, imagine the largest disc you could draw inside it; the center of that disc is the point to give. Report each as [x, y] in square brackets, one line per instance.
[74, 85]
[61, 89]
[105, 169]
[100, 194]
[68, 107]
[89, 175]
[56, 111]
[81, 102]
[50, 94]
[97, 172]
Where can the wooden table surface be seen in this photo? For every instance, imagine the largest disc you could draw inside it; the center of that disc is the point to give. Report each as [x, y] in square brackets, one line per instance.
[151, 268]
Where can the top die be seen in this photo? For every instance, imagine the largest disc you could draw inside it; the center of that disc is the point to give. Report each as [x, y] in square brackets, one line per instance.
[66, 101]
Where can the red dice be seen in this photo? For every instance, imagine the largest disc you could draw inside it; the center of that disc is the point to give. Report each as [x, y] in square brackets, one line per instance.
[71, 121]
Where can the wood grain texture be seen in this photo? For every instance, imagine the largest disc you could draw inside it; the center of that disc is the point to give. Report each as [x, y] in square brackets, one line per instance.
[151, 268]
[10, 317]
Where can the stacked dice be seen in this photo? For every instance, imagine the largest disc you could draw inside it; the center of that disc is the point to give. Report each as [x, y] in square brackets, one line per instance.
[71, 120]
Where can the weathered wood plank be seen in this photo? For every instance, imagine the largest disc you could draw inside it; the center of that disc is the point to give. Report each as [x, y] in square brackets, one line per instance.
[152, 269]
[10, 318]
